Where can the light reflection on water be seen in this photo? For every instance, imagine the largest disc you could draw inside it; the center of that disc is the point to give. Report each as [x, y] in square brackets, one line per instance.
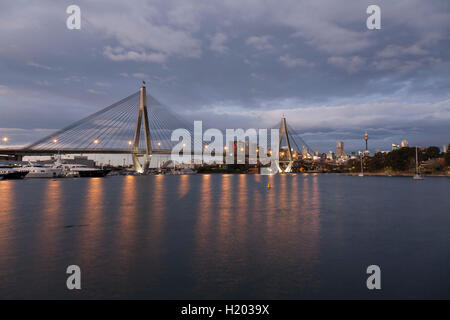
[51, 215]
[127, 224]
[93, 210]
[156, 226]
[223, 236]
[7, 227]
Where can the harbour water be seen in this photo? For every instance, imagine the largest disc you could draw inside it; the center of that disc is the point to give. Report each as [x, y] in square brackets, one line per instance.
[225, 237]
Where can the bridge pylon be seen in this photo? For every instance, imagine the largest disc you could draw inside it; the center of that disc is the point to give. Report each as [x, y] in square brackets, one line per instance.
[142, 117]
[284, 132]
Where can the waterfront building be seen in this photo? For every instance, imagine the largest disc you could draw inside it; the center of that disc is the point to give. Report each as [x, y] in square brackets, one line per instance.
[82, 160]
[404, 144]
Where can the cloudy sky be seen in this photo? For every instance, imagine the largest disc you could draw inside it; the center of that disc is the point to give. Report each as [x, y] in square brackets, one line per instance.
[234, 63]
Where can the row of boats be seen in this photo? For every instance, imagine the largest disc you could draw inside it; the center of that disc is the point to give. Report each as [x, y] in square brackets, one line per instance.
[56, 170]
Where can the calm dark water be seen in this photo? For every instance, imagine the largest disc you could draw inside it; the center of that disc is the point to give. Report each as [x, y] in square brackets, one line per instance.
[225, 236]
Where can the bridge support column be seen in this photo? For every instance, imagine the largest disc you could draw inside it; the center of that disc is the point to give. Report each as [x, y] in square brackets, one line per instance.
[142, 116]
[284, 132]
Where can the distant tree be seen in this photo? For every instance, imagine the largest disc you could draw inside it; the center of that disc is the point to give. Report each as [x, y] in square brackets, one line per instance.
[377, 162]
[401, 159]
[432, 153]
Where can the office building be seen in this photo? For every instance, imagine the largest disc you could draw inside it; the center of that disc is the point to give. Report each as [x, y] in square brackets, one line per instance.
[340, 149]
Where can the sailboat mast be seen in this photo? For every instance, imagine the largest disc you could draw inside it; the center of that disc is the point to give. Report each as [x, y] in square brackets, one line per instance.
[417, 160]
[362, 168]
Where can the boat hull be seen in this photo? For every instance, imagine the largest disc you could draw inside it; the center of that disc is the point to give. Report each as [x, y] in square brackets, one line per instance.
[16, 175]
[92, 173]
[47, 174]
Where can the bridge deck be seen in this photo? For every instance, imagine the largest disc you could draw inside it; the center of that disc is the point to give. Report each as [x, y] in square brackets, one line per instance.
[43, 152]
[31, 152]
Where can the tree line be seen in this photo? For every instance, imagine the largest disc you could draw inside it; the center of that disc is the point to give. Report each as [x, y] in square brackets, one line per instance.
[402, 159]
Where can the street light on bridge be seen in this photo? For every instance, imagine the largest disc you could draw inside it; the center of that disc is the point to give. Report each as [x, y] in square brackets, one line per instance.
[5, 139]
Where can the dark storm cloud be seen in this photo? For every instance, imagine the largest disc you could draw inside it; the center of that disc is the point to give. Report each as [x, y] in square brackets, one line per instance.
[244, 61]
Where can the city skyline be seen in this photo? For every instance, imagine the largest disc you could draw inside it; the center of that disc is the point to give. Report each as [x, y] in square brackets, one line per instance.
[210, 63]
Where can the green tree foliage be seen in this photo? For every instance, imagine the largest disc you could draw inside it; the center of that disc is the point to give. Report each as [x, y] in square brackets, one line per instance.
[376, 163]
[354, 165]
[401, 159]
[432, 153]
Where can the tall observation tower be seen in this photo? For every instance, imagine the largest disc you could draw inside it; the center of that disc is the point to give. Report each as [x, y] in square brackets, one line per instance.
[366, 137]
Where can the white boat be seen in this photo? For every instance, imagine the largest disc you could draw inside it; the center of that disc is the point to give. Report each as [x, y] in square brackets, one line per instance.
[417, 175]
[187, 171]
[41, 171]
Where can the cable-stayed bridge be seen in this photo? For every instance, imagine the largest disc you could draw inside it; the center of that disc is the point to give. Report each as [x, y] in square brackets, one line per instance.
[138, 125]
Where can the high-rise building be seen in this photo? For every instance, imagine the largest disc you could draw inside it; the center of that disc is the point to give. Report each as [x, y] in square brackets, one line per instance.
[340, 149]
[331, 155]
[366, 138]
[404, 143]
[305, 151]
[445, 149]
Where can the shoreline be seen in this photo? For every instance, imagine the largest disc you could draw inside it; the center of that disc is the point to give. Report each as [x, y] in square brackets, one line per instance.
[396, 174]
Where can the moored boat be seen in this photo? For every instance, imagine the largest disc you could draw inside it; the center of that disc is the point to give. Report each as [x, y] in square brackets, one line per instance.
[42, 171]
[9, 174]
[79, 170]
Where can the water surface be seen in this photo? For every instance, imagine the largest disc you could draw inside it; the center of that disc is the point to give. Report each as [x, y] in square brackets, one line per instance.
[225, 237]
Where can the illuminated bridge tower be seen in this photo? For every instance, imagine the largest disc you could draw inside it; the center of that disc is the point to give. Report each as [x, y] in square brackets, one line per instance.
[284, 132]
[142, 117]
